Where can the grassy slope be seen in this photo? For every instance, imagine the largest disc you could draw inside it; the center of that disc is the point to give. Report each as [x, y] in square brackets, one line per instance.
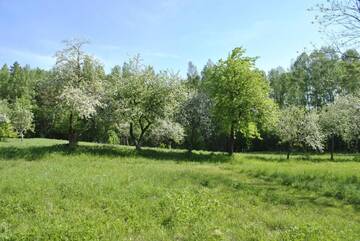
[110, 193]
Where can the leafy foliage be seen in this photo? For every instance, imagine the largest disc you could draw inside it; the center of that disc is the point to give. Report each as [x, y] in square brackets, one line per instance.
[6, 129]
[195, 111]
[239, 94]
[77, 82]
[227, 103]
[300, 128]
[22, 117]
[144, 98]
[349, 107]
[313, 80]
[166, 132]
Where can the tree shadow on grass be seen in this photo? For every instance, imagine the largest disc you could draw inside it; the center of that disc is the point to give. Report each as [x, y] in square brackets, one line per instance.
[33, 153]
[271, 191]
[304, 157]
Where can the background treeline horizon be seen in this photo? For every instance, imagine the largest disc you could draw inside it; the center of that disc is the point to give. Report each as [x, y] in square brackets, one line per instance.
[313, 81]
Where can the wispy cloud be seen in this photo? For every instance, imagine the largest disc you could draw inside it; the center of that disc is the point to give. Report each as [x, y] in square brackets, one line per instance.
[130, 52]
[28, 56]
[155, 12]
[108, 47]
[171, 5]
[231, 36]
[161, 55]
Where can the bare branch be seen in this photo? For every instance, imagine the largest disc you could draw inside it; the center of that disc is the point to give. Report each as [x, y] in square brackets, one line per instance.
[340, 20]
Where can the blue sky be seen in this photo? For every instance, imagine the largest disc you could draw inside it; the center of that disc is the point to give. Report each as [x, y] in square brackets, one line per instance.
[167, 33]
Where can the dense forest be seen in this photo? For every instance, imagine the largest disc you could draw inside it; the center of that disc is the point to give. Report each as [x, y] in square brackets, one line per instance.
[228, 105]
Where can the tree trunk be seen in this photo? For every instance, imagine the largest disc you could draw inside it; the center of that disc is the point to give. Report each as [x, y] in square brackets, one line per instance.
[191, 141]
[22, 136]
[332, 147]
[132, 137]
[288, 152]
[136, 142]
[72, 133]
[231, 140]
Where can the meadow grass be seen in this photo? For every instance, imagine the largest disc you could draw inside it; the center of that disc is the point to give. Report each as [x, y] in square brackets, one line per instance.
[103, 192]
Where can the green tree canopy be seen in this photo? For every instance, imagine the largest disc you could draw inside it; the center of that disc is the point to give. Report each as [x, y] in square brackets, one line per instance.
[240, 95]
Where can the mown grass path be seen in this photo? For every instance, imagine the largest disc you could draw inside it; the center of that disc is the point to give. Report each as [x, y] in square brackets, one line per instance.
[96, 192]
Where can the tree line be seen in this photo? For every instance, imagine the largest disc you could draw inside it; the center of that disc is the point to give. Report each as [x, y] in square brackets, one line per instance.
[229, 105]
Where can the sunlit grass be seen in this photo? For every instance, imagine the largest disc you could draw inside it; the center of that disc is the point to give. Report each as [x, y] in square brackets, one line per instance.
[101, 192]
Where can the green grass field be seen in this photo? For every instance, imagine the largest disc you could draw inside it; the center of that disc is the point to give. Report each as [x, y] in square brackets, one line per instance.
[101, 192]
